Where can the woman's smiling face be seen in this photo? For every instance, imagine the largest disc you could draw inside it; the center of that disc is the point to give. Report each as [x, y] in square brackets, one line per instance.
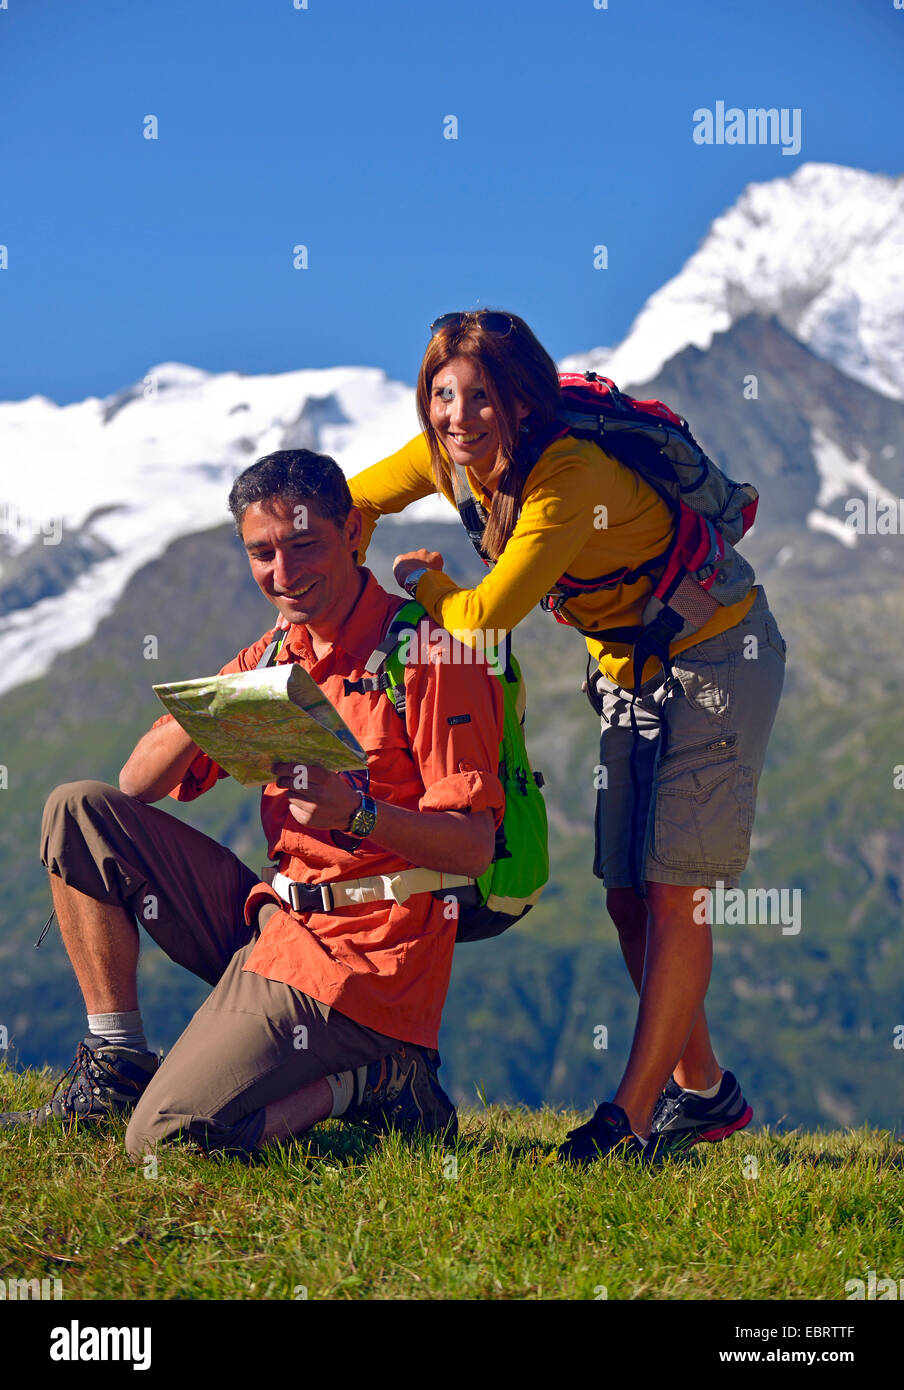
[461, 415]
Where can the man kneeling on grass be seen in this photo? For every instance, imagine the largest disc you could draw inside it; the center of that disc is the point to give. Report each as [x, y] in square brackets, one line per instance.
[318, 1010]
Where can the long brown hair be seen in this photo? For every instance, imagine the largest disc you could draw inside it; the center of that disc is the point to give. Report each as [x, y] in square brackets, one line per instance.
[517, 370]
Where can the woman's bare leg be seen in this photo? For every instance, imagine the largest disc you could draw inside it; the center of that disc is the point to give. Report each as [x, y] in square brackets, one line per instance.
[669, 958]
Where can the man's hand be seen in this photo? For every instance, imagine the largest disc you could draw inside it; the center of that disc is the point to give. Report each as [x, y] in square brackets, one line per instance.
[412, 560]
[456, 842]
[319, 799]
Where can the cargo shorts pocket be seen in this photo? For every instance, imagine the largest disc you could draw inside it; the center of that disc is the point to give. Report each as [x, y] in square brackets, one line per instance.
[773, 637]
[706, 674]
[704, 810]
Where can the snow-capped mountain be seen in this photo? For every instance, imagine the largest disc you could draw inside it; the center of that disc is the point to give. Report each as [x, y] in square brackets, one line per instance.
[822, 250]
[174, 439]
[93, 491]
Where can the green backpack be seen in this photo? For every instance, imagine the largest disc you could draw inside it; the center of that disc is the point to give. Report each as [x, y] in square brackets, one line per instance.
[520, 868]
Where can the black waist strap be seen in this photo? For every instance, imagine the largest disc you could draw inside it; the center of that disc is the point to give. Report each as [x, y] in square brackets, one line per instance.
[654, 640]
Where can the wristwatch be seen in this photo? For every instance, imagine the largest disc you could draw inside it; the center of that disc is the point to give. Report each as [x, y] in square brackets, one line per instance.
[364, 819]
[411, 583]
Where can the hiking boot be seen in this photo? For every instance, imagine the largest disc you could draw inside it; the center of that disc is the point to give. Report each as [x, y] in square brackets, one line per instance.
[606, 1132]
[681, 1119]
[402, 1091]
[105, 1079]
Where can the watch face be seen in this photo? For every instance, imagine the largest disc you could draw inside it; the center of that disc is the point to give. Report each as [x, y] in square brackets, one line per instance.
[365, 818]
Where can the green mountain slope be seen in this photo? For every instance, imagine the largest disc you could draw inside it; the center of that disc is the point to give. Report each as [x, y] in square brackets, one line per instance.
[807, 1020]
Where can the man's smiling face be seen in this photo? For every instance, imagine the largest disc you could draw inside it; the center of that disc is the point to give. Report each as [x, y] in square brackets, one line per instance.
[303, 561]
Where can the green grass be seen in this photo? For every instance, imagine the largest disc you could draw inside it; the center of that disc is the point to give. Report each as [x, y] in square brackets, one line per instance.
[343, 1215]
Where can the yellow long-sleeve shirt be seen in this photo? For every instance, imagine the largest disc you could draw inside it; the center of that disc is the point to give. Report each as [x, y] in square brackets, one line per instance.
[581, 511]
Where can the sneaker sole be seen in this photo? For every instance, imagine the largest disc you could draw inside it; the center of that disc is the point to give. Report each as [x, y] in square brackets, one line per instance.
[446, 1134]
[713, 1136]
[686, 1139]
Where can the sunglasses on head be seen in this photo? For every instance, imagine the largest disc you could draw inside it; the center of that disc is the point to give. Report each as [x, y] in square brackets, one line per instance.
[498, 324]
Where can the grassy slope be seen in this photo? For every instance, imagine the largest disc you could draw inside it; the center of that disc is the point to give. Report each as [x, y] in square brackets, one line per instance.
[344, 1215]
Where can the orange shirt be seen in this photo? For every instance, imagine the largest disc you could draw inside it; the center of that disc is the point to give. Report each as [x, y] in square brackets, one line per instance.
[385, 965]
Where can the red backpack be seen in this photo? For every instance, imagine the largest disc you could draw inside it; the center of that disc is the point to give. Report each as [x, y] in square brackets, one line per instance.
[700, 568]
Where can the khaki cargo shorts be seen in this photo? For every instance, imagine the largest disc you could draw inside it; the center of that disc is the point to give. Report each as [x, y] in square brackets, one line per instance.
[253, 1041]
[685, 810]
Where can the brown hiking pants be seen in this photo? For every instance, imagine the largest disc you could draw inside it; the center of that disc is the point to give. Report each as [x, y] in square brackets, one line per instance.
[253, 1041]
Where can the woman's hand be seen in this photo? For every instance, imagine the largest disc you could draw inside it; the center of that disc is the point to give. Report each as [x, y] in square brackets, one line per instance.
[412, 560]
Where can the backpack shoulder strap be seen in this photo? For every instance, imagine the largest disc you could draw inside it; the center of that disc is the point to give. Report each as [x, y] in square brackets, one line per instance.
[474, 515]
[405, 619]
[385, 670]
[274, 646]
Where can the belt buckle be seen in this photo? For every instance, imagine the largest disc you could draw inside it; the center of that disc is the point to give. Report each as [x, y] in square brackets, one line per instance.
[300, 895]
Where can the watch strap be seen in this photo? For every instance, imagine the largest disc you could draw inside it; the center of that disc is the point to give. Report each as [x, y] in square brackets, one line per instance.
[414, 578]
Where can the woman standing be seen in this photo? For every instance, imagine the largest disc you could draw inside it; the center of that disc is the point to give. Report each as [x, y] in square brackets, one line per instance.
[682, 754]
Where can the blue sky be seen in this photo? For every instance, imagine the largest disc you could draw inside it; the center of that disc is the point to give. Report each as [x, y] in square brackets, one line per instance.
[324, 127]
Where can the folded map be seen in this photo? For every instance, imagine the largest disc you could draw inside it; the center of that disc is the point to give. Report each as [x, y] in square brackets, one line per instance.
[250, 720]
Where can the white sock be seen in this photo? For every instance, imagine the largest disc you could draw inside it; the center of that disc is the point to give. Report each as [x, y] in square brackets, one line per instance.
[706, 1095]
[125, 1029]
[346, 1086]
[342, 1085]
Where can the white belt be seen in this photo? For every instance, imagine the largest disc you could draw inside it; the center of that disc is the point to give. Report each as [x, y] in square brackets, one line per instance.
[303, 897]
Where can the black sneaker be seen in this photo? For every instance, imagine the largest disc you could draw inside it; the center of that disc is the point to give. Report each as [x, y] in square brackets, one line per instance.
[681, 1120]
[402, 1091]
[607, 1132]
[105, 1079]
